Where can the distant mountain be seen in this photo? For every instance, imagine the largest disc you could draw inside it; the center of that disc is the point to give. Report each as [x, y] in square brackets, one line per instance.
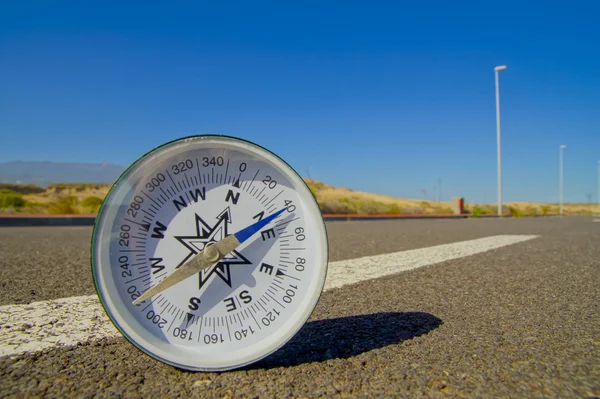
[45, 173]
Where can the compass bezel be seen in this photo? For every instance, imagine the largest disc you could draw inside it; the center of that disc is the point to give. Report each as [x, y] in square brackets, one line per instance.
[163, 351]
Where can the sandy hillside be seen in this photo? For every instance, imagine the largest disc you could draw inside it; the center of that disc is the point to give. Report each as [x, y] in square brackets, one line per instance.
[87, 198]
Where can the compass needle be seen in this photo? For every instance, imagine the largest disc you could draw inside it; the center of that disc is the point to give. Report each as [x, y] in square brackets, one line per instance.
[168, 239]
[206, 258]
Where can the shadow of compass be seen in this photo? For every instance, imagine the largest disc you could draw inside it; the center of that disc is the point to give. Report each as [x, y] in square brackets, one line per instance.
[345, 337]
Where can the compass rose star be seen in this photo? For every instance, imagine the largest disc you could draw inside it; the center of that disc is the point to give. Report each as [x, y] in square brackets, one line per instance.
[207, 235]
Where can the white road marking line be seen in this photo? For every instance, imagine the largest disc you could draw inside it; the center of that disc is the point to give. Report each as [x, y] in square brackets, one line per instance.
[70, 321]
[596, 220]
[352, 271]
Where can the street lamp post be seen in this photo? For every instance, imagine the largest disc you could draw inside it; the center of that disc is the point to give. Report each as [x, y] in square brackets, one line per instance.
[560, 175]
[598, 187]
[496, 70]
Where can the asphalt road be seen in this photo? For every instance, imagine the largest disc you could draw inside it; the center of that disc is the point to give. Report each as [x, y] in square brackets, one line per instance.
[517, 321]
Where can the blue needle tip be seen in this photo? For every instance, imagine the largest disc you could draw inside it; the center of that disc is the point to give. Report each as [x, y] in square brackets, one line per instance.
[249, 231]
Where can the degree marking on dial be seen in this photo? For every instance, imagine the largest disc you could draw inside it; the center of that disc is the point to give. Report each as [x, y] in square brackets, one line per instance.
[226, 169]
[252, 182]
[170, 177]
[261, 191]
[273, 298]
[136, 279]
[260, 300]
[131, 250]
[164, 305]
[151, 302]
[287, 261]
[228, 330]
[149, 215]
[171, 325]
[139, 264]
[198, 169]
[168, 195]
[252, 314]
[271, 200]
[199, 330]
[277, 285]
[150, 198]
[284, 223]
[187, 180]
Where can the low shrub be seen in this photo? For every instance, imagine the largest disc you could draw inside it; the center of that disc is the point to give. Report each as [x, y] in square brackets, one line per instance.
[476, 212]
[394, 209]
[22, 188]
[515, 212]
[66, 205]
[11, 199]
[92, 204]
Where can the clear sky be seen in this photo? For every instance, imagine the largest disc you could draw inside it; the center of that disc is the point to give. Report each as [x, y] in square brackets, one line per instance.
[385, 97]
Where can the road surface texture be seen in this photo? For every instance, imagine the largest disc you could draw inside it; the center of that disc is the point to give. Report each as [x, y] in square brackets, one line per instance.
[521, 319]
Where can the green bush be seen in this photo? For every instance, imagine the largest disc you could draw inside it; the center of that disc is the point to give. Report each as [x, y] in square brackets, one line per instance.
[11, 199]
[545, 209]
[477, 211]
[515, 212]
[92, 203]
[64, 206]
[22, 188]
[394, 209]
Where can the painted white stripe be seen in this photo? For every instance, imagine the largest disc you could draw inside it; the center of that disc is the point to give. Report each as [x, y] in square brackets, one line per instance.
[351, 271]
[596, 220]
[69, 321]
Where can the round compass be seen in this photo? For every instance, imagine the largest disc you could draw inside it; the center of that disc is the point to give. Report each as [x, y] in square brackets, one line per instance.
[209, 253]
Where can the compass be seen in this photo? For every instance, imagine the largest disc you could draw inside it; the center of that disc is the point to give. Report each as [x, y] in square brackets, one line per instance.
[209, 253]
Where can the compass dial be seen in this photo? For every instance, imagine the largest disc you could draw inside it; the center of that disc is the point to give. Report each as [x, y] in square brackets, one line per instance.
[169, 207]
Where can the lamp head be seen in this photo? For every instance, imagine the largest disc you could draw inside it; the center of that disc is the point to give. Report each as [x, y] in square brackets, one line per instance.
[500, 68]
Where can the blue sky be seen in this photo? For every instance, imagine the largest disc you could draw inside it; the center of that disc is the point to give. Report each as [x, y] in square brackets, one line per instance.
[386, 97]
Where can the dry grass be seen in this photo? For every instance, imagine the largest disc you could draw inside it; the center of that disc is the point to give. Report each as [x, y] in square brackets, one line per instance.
[87, 198]
[79, 191]
[343, 200]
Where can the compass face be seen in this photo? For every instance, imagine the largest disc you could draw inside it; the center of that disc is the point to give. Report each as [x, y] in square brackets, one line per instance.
[176, 201]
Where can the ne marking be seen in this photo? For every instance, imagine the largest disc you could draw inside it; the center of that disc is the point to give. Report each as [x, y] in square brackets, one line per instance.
[68, 321]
